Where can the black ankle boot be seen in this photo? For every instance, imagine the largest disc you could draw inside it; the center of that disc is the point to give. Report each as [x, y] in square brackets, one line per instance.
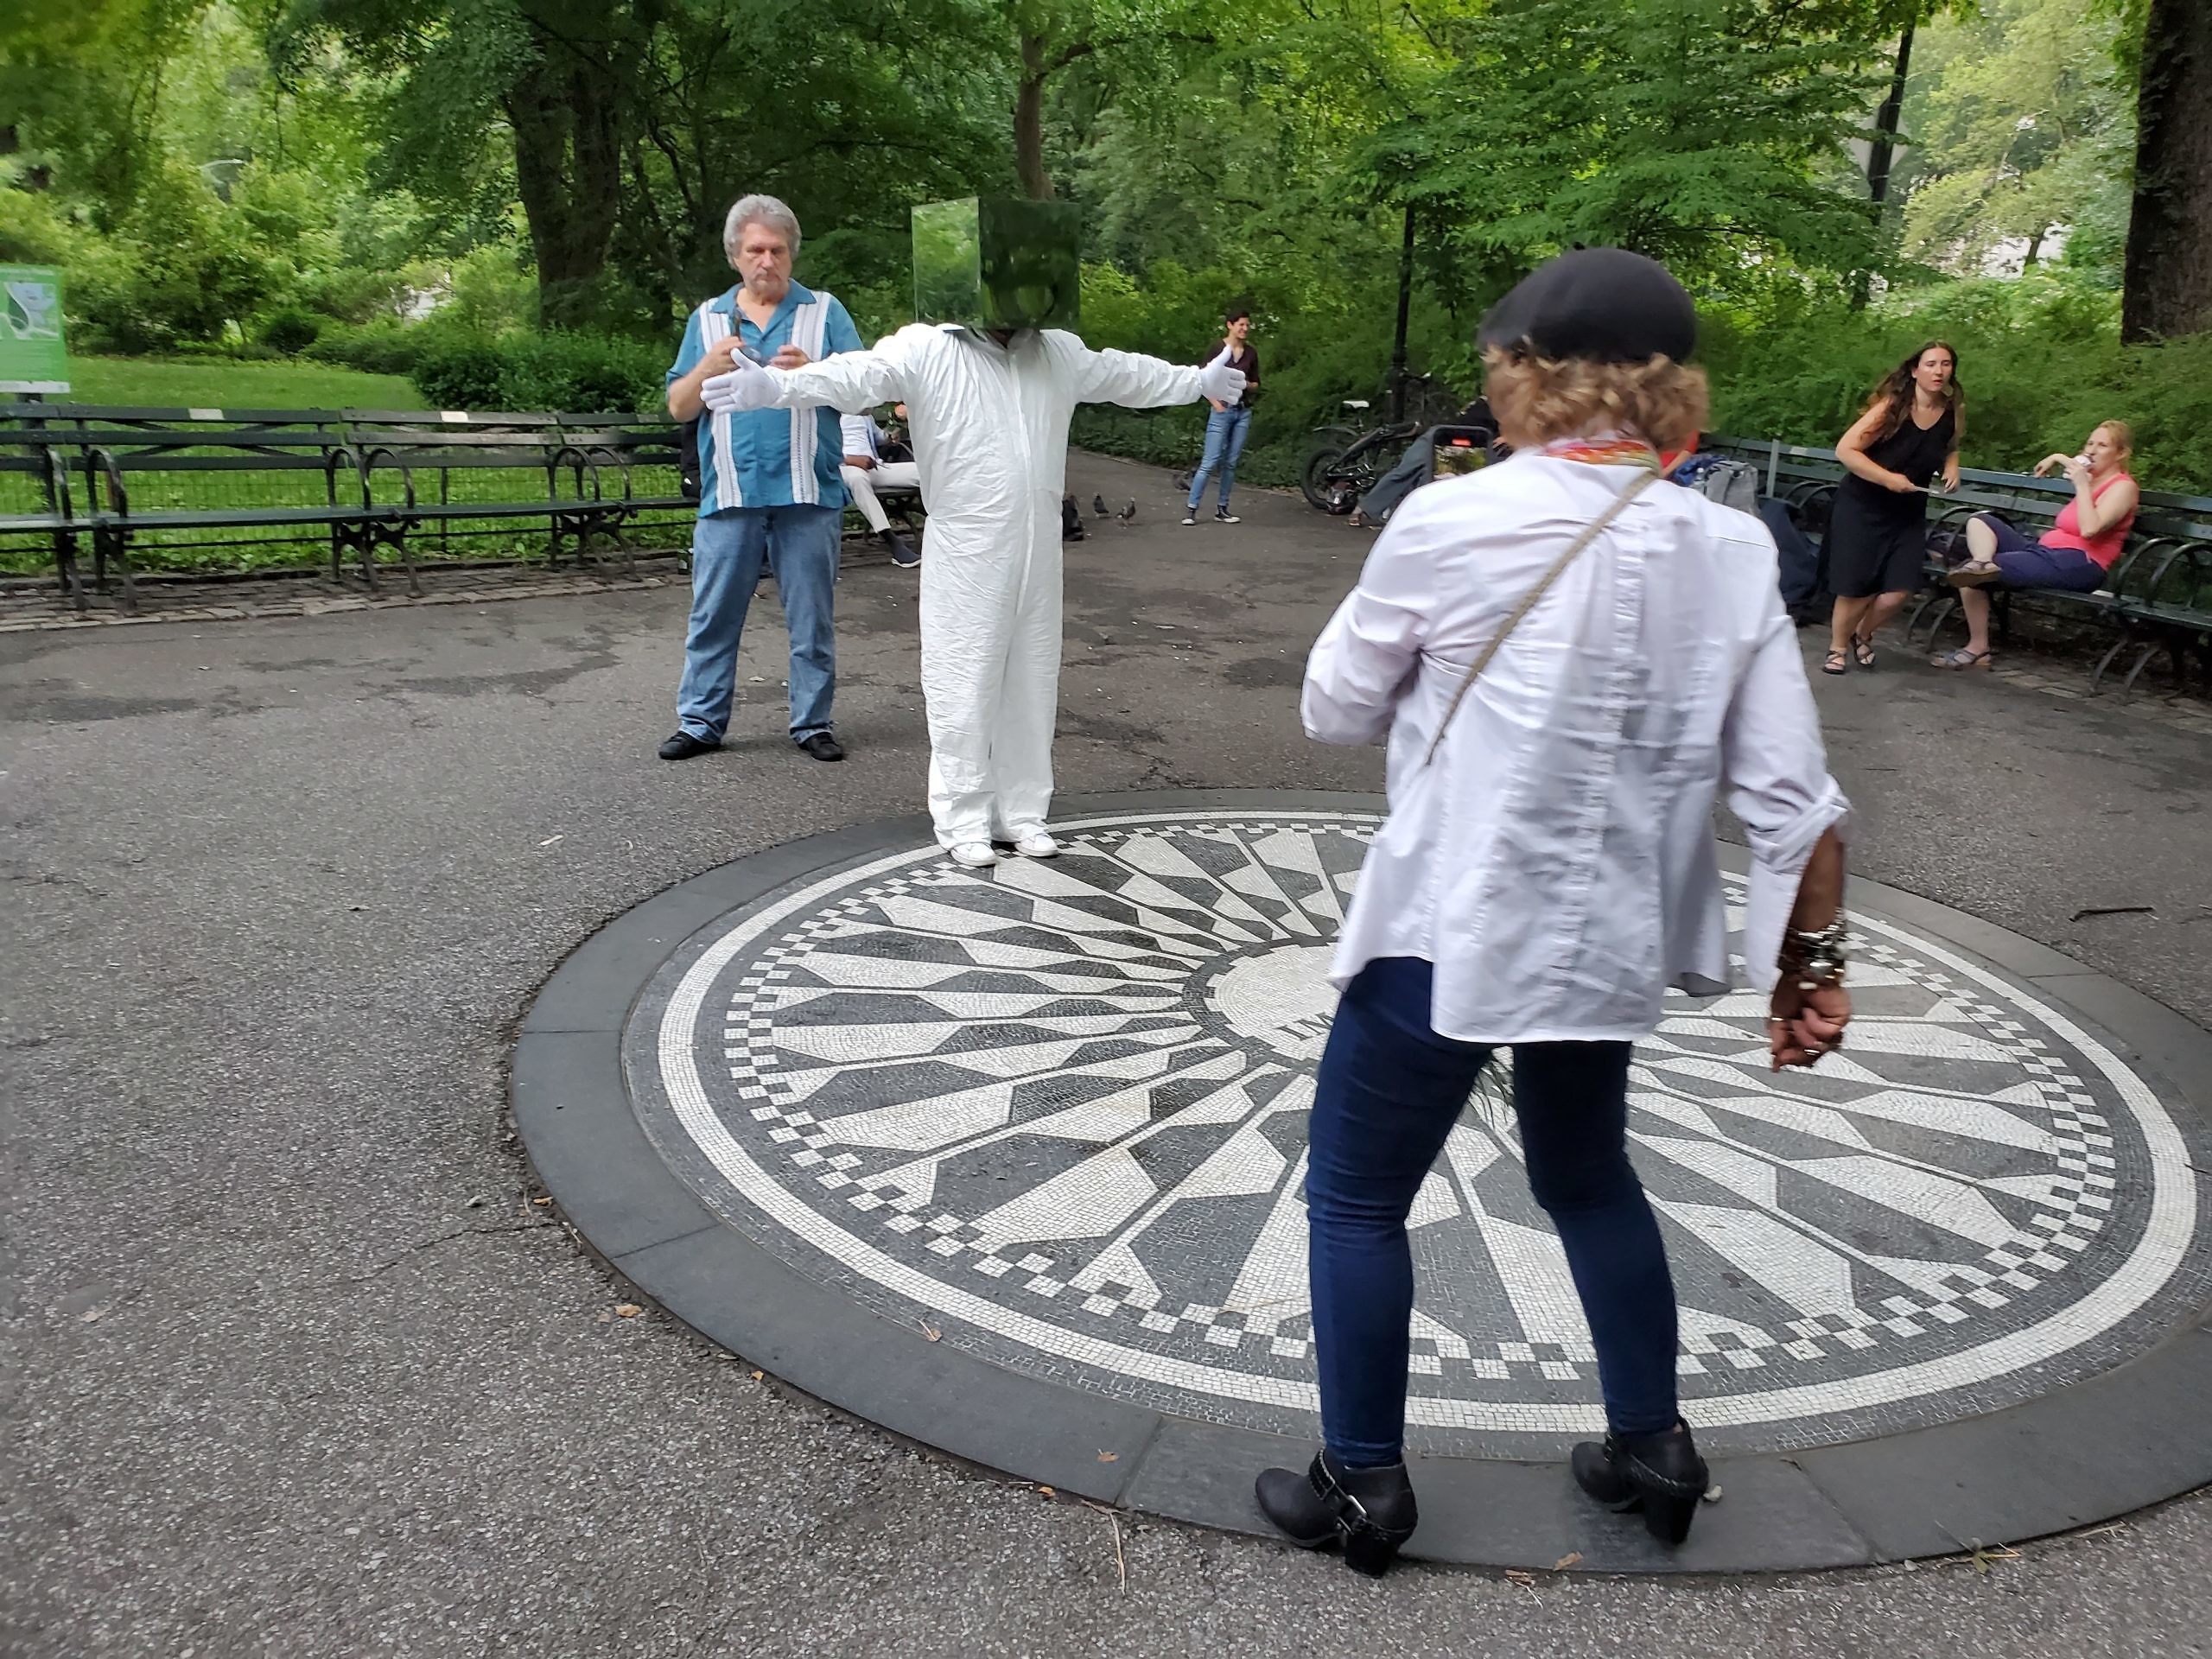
[1661, 1474]
[1371, 1512]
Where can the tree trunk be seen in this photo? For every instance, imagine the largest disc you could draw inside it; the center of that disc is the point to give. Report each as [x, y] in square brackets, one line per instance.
[1882, 153]
[1029, 122]
[2168, 280]
[1405, 312]
[568, 173]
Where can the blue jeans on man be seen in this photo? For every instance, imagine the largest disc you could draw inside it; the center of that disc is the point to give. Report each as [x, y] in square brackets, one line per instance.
[799, 544]
[1226, 431]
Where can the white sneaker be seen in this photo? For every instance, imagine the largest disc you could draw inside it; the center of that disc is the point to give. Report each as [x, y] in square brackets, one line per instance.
[1224, 516]
[1036, 842]
[1190, 518]
[975, 855]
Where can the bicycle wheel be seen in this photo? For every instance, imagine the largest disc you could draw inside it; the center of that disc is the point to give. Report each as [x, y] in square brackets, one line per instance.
[1323, 480]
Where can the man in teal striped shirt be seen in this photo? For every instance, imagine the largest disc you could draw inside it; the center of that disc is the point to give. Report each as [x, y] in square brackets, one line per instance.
[769, 487]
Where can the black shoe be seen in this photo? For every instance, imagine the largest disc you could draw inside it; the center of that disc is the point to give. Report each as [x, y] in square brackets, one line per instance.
[683, 745]
[904, 553]
[1661, 1474]
[1371, 1512]
[823, 746]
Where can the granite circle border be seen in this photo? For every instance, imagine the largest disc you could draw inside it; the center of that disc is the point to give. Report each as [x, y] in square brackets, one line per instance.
[2111, 1444]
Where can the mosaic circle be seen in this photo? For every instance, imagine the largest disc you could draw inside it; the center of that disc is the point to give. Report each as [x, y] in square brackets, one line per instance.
[1056, 1112]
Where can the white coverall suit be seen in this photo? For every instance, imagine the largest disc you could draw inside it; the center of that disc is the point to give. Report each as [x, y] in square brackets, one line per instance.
[989, 427]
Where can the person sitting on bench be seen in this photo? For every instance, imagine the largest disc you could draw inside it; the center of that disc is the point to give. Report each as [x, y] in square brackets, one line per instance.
[2074, 555]
[864, 470]
[1418, 465]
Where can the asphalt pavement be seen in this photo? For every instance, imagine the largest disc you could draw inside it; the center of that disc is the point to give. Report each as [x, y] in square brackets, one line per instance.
[293, 1363]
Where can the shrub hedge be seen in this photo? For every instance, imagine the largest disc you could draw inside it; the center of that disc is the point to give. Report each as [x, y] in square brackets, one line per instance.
[2040, 359]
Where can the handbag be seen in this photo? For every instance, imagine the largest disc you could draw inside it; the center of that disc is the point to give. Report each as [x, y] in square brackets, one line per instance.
[1590, 531]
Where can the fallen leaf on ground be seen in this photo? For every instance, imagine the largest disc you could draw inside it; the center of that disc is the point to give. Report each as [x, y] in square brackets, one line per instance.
[1110, 1457]
[1048, 1492]
[1526, 1580]
[1982, 1558]
[1565, 1561]
[931, 1333]
[542, 1200]
[628, 1310]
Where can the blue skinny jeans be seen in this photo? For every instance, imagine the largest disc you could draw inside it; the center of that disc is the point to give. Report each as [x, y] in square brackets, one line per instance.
[1389, 1091]
[1226, 431]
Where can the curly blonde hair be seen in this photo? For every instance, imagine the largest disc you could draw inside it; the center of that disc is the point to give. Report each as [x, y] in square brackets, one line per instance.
[1661, 401]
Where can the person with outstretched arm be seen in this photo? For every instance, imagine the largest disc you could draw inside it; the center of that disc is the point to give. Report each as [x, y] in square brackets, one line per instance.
[990, 384]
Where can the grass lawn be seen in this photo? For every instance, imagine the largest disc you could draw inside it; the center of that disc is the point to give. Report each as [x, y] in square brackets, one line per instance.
[214, 382]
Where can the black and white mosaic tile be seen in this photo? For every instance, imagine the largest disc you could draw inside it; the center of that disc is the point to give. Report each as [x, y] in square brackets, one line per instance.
[1057, 1111]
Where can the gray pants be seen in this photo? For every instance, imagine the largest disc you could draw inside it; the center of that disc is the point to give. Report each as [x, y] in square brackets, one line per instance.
[1415, 468]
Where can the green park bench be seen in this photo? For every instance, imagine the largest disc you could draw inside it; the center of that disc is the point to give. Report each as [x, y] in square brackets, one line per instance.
[358, 483]
[35, 503]
[2157, 598]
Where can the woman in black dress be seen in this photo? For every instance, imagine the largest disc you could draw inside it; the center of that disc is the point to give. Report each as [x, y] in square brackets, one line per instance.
[1877, 537]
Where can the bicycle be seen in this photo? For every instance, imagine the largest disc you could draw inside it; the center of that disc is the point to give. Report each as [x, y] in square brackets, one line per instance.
[1346, 460]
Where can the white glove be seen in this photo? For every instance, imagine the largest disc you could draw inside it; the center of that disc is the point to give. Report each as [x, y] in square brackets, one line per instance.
[747, 386]
[1220, 382]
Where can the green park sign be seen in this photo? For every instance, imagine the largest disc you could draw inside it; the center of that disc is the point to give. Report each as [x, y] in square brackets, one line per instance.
[32, 355]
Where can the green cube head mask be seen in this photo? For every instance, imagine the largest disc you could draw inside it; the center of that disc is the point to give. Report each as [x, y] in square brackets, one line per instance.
[993, 261]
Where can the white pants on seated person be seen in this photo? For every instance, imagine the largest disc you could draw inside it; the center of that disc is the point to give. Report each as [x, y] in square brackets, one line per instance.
[893, 474]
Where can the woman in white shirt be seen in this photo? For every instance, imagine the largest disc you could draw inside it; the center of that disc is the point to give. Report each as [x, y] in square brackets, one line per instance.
[1569, 662]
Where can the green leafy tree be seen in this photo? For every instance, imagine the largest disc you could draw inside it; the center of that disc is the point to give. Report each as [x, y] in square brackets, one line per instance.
[1707, 133]
[81, 91]
[2019, 129]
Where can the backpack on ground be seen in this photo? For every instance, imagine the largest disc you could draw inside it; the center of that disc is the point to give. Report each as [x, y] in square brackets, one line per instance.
[1731, 483]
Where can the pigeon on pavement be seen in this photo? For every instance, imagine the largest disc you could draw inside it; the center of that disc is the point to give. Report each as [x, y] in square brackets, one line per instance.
[1128, 514]
[1098, 505]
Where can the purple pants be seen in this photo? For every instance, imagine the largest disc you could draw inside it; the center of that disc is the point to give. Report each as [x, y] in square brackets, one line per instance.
[2024, 563]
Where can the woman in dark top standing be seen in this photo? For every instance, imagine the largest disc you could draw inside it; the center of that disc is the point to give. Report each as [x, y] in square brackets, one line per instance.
[1877, 537]
[1230, 424]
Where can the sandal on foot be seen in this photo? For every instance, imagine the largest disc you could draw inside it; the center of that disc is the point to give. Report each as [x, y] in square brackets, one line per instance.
[1862, 651]
[1973, 573]
[1838, 663]
[1960, 658]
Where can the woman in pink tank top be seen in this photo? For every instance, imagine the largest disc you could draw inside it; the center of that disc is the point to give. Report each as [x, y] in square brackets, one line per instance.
[2074, 554]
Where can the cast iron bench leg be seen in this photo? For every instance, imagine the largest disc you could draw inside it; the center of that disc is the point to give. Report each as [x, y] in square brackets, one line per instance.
[1946, 606]
[111, 544]
[395, 539]
[2142, 661]
[2096, 677]
[64, 567]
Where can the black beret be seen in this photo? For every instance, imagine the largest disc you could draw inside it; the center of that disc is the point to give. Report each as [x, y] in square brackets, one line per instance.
[1605, 304]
